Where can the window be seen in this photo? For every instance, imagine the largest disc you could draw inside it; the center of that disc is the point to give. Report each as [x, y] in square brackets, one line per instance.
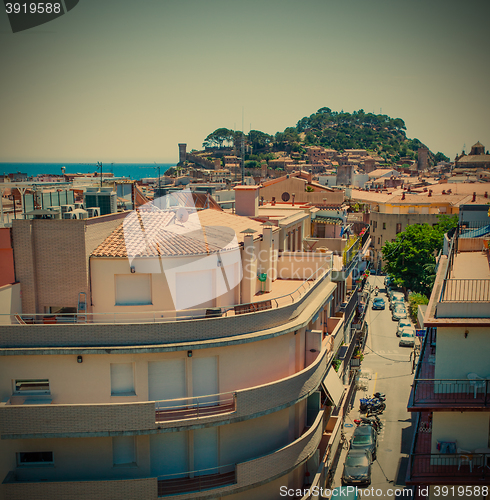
[28, 386]
[398, 227]
[123, 450]
[379, 239]
[384, 225]
[25, 458]
[122, 379]
[133, 289]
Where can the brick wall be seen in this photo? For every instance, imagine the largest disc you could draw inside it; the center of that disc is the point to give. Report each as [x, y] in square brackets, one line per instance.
[51, 258]
[134, 489]
[46, 419]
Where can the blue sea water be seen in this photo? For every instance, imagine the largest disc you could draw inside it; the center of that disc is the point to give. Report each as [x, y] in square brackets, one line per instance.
[131, 170]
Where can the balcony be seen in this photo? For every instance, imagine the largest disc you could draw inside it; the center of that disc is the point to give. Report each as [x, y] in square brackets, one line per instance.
[79, 420]
[209, 483]
[158, 328]
[430, 393]
[428, 468]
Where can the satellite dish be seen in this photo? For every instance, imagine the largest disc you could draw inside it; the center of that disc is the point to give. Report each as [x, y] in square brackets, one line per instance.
[182, 215]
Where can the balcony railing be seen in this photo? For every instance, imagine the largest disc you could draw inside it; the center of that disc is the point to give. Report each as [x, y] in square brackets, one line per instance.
[195, 407]
[349, 308]
[449, 468]
[198, 480]
[171, 315]
[465, 290]
[431, 393]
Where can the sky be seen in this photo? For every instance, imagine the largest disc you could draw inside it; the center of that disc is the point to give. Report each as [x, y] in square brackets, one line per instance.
[127, 80]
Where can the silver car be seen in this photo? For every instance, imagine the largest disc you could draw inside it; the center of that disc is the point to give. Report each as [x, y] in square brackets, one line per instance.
[403, 323]
[399, 312]
[407, 337]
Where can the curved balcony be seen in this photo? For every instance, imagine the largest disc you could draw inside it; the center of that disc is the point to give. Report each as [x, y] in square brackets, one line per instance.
[79, 420]
[240, 477]
[159, 331]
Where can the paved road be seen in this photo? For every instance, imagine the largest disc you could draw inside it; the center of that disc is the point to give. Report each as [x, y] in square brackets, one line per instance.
[392, 374]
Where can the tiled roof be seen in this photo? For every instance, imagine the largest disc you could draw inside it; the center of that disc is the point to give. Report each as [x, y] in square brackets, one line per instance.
[150, 232]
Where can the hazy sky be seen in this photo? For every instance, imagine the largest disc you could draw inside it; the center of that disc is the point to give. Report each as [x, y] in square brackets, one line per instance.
[127, 80]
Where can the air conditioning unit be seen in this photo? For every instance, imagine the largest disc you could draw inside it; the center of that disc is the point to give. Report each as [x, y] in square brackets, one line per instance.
[79, 205]
[56, 212]
[93, 211]
[67, 208]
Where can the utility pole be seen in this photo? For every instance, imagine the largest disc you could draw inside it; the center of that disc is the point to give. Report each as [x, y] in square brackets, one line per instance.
[99, 165]
[243, 153]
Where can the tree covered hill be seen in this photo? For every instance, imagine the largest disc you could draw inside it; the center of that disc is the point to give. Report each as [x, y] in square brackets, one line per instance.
[379, 134]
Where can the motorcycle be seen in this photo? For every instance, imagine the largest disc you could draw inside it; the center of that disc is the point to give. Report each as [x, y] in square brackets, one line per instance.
[373, 421]
[372, 404]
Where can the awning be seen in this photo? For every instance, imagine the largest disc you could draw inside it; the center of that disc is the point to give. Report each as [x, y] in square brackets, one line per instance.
[333, 386]
[321, 219]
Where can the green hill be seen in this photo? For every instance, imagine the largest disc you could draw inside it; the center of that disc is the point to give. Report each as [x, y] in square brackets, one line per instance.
[379, 134]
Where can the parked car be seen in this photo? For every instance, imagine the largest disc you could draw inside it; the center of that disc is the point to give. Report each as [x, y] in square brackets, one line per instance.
[378, 303]
[407, 337]
[396, 294]
[399, 312]
[396, 301]
[403, 323]
[388, 279]
[357, 468]
[364, 438]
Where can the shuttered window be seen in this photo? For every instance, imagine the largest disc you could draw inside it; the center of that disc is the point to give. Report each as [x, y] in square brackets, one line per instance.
[133, 289]
[123, 450]
[122, 379]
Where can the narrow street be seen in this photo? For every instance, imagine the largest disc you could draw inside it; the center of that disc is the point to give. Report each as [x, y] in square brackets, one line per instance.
[391, 369]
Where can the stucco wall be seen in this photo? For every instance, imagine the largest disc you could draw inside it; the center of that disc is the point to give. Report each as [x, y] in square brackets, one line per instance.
[468, 429]
[10, 301]
[456, 356]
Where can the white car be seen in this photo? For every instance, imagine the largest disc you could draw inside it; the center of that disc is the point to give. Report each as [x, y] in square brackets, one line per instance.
[407, 337]
[396, 296]
[403, 323]
[399, 312]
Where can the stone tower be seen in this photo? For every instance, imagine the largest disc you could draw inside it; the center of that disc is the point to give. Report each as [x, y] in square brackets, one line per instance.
[423, 154]
[182, 152]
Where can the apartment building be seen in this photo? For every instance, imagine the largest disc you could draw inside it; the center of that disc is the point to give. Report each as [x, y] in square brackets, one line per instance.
[170, 353]
[451, 389]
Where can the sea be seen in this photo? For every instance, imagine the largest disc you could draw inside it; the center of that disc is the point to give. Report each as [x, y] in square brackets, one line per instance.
[132, 171]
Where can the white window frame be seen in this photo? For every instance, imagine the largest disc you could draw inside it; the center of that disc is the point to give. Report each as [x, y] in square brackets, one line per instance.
[17, 392]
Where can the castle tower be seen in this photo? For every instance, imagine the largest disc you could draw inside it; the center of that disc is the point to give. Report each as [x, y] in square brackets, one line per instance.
[182, 153]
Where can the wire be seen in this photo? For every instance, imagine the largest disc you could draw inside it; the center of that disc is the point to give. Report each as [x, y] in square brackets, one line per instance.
[386, 477]
[389, 359]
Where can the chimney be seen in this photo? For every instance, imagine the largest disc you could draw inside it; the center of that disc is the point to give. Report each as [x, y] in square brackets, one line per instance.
[430, 192]
[247, 200]
[310, 176]
[474, 197]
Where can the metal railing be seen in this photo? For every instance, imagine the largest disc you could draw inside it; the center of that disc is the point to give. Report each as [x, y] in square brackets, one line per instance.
[444, 467]
[350, 252]
[465, 290]
[451, 391]
[350, 307]
[195, 406]
[197, 480]
[171, 315]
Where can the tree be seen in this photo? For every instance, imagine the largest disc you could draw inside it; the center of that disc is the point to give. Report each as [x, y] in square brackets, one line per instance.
[410, 256]
[218, 138]
[440, 157]
[414, 300]
[259, 140]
